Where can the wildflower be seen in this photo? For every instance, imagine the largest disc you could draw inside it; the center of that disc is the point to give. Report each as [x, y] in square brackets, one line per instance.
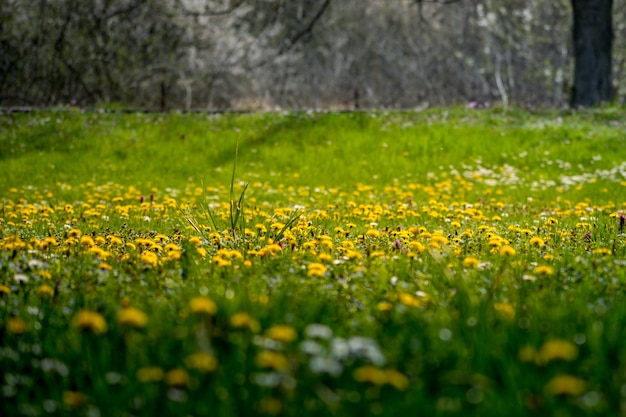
[353, 254]
[270, 405]
[271, 359]
[16, 325]
[132, 317]
[150, 374]
[557, 349]
[566, 385]
[87, 241]
[507, 250]
[74, 399]
[90, 321]
[537, 241]
[4, 290]
[370, 374]
[195, 240]
[602, 251]
[202, 362]
[544, 270]
[527, 354]
[439, 239]
[149, 258]
[417, 247]
[177, 378]
[471, 262]
[409, 300]
[324, 257]
[397, 379]
[105, 266]
[74, 233]
[316, 269]
[506, 310]
[282, 333]
[203, 306]
[45, 291]
[384, 306]
[243, 320]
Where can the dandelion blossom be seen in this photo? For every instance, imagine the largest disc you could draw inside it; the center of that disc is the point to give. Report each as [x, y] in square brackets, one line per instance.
[202, 362]
[90, 321]
[150, 374]
[132, 317]
[203, 306]
[471, 262]
[544, 270]
[282, 333]
[566, 385]
[507, 250]
[316, 269]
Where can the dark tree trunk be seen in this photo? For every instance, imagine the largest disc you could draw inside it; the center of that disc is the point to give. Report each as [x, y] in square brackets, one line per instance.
[593, 42]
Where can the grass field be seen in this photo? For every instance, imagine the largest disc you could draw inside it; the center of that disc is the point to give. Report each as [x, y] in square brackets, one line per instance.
[444, 262]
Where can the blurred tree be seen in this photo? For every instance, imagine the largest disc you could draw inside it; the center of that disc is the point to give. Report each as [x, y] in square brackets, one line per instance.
[593, 42]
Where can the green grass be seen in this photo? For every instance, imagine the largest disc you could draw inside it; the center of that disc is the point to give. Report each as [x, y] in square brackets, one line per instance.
[446, 262]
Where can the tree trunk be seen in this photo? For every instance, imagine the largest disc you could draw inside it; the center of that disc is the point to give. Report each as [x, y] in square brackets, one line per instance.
[593, 41]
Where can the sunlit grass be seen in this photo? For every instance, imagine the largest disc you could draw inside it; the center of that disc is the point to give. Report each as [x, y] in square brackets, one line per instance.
[449, 261]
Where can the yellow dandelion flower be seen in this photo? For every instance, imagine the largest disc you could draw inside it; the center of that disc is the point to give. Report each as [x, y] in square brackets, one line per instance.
[177, 378]
[602, 251]
[16, 325]
[316, 269]
[271, 359]
[409, 300]
[150, 374]
[370, 374]
[4, 290]
[506, 310]
[397, 379]
[372, 233]
[417, 247]
[384, 306]
[537, 241]
[90, 321]
[544, 270]
[243, 320]
[45, 291]
[324, 257]
[74, 233]
[548, 257]
[74, 399]
[195, 240]
[270, 405]
[149, 258]
[353, 254]
[527, 354]
[132, 317]
[557, 350]
[105, 266]
[203, 306]
[45, 274]
[202, 362]
[566, 385]
[282, 333]
[471, 262]
[507, 250]
[87, 241]
[439, 239]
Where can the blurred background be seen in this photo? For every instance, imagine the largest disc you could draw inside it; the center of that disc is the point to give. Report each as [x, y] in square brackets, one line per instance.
[274, 54]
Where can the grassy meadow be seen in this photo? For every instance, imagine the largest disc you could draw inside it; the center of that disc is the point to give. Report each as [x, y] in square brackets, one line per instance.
[443, 262]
